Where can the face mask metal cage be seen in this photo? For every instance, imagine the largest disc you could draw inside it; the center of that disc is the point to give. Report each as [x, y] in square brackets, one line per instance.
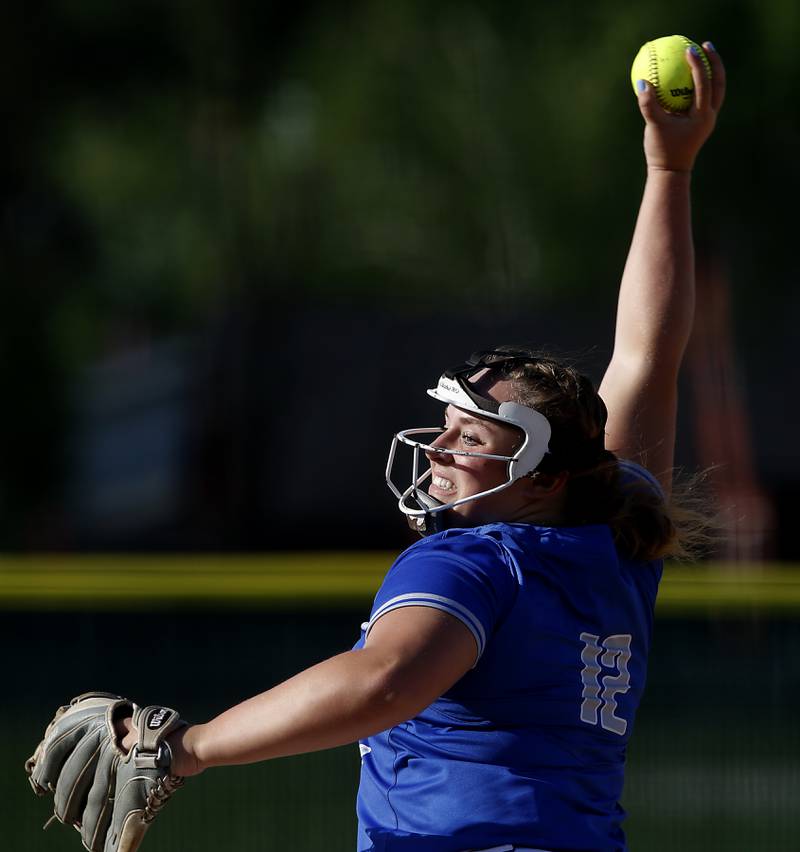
[424, 512]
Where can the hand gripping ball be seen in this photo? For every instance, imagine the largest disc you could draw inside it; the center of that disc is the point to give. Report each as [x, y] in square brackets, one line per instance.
[662, 62]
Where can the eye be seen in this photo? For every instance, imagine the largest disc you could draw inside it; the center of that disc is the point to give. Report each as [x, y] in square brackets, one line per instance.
[469, 439]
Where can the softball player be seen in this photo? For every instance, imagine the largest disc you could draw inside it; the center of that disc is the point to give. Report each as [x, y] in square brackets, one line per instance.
[494, 686]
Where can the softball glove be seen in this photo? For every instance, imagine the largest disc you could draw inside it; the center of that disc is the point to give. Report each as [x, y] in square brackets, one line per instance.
[110, 797]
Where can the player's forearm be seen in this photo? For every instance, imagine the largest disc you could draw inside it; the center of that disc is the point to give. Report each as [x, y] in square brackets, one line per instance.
[333, 703]
[656, 300]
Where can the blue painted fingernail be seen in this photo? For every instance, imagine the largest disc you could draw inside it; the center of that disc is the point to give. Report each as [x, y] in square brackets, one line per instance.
[641, 85]
[695, 50]
[710, 46]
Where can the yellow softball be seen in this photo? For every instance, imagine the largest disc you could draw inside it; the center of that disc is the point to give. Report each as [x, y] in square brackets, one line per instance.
[662, 62]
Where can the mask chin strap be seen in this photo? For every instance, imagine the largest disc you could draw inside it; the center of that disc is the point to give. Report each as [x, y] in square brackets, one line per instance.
[429, 522]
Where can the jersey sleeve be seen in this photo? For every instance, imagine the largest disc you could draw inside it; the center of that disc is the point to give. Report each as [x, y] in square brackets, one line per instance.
[463, 574]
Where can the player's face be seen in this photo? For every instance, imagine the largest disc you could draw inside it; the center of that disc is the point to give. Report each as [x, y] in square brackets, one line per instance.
[455, 477]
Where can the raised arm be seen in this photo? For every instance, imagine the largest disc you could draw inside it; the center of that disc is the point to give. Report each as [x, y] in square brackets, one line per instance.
[656, 299]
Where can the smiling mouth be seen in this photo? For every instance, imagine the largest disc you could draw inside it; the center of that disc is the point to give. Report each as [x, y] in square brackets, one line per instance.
[442, 485]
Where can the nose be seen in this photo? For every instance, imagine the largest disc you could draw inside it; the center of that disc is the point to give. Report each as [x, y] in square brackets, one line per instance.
[440, 444]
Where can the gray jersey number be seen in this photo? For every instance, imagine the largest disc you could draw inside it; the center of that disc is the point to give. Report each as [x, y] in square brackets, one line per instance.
[600, 694]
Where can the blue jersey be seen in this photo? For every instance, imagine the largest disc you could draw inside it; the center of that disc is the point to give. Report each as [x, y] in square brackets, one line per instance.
[529, 746]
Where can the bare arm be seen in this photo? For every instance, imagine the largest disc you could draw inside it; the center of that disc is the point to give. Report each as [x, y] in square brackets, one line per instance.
[412, 656]
[656, 299]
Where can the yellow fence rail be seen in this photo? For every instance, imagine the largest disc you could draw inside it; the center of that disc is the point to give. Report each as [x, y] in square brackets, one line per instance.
[325, 580]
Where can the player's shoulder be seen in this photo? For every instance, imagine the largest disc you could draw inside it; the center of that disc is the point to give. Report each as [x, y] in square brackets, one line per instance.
[634, 475]
[499, 540]
[499, 550]
[470, 544]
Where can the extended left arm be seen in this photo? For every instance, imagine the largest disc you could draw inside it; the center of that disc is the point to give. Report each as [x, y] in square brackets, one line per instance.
[411, 657]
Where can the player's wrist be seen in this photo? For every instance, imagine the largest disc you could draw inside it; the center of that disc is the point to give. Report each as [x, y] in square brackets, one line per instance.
[679, 172]
[669, 158]
[185, 758]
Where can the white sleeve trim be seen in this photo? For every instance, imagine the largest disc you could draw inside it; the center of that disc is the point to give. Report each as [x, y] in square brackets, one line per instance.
[448, 605]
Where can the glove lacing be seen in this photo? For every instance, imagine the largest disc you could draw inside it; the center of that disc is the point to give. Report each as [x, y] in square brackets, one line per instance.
[160, 793]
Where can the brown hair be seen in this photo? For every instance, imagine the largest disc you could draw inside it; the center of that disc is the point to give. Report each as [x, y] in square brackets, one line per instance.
[645, 526]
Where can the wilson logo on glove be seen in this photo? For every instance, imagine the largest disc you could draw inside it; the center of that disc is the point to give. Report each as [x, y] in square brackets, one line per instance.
[157, 719]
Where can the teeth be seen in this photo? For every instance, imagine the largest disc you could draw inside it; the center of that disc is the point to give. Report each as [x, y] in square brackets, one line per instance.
[441, 482]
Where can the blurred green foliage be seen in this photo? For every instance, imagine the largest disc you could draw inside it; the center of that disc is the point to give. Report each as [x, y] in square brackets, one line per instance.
[462, 149]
